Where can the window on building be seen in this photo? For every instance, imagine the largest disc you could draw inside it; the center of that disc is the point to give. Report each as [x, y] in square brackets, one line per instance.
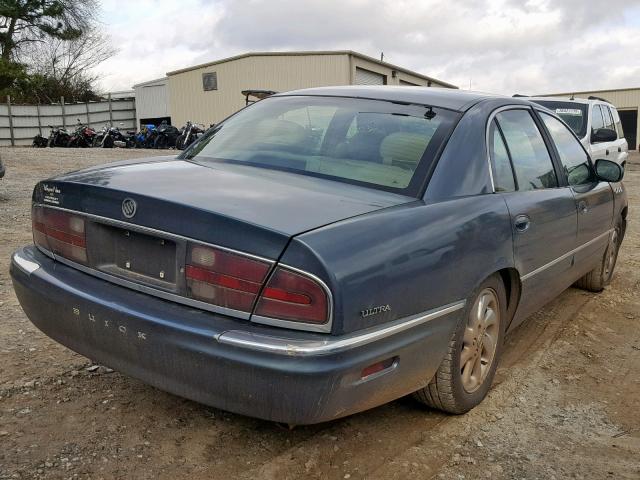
[210, 81]
[531, 159]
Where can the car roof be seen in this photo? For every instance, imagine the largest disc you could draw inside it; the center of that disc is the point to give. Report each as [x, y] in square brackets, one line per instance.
[448, 98]
[585, 101]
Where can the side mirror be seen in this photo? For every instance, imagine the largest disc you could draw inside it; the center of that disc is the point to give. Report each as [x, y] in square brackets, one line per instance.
[608, 171]
[603, 135]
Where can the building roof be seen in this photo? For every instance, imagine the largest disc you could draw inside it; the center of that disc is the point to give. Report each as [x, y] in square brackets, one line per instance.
[151, 82]
[582, 92]
[448, 98]
[310, 53]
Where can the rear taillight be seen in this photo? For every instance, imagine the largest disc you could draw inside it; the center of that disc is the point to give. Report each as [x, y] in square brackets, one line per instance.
[60, 232]
[295, 297]
[224, 278]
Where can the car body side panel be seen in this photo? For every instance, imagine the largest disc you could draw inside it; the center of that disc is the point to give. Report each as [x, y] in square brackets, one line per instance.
[595, 219]
[411, 258]
[539, 250]
[463, 168]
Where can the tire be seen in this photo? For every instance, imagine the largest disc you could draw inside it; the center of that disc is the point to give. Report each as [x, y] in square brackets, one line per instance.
[459, 386]
[180, 142]
[601, 276]
[108, 142]
[97, 140]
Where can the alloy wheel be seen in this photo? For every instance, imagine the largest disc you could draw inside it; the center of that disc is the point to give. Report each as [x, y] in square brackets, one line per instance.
[480, 340]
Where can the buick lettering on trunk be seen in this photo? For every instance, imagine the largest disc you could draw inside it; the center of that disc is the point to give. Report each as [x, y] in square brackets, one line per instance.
[324, 251]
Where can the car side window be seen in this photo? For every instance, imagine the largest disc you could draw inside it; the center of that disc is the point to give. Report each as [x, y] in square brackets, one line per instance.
[618, 123]
[597, 120]
[608, 118]
[573, 157]
[502, 172]
[531, 159]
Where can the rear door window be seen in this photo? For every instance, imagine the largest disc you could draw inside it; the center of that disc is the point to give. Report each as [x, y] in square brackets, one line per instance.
[608, 118]
[502, 172]
[574, 159]
[597, 120]
[531, 160]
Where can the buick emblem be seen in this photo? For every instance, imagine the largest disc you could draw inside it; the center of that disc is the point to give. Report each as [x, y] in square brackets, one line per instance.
[129, 207]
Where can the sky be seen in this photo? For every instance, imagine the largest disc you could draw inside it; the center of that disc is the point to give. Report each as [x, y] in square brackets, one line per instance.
[500, 46]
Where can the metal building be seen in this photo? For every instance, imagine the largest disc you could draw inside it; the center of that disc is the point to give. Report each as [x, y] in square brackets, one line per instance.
[210, 92]
[152, 102]
[626, 100]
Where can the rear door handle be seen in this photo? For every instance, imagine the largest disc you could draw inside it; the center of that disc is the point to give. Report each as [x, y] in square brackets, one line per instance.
[522, 223]
[607, 151]
[583, 207]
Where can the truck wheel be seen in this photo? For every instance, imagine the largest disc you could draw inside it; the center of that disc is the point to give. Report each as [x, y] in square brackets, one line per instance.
[600, 277]
[467, 370]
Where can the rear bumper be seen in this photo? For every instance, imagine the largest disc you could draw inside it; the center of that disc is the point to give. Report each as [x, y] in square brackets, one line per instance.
[264, 372]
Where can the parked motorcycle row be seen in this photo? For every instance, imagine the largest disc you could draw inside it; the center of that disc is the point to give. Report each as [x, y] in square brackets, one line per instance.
[162, 136]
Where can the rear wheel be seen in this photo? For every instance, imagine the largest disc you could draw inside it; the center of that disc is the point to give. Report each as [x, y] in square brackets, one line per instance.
[466, 373]
[180, 142]
[600, 277]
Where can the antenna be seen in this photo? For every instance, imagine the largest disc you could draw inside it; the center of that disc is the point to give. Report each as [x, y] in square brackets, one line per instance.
[382, 56]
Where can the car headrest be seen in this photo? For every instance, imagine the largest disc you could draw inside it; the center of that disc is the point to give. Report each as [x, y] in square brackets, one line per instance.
[403, 149]
[279, 131]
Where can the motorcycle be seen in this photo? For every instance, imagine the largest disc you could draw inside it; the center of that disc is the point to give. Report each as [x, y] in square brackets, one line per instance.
[166, 136]
[110, 137]
[58, 137]
[39, 141]
[82, 137]
[189, 133]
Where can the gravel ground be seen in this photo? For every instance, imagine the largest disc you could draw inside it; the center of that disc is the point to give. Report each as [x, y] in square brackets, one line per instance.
[564, 405]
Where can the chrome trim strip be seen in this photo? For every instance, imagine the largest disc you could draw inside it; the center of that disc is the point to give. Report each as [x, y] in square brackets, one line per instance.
[307, 327]
[27, 266]
[159, 233]
[153, 291]
[306, 348]
[564, 257]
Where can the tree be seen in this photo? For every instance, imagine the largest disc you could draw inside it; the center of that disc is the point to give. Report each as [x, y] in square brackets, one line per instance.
[29, 21]
[64, 66]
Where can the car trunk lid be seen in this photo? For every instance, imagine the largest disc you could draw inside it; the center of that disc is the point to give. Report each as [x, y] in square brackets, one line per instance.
[244, 208]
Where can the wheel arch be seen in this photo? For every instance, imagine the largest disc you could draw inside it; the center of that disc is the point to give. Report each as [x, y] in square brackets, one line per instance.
[513, 287]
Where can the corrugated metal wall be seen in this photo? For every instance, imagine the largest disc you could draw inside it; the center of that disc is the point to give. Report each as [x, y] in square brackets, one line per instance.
[152, 99]
[188, 100]
[625, 99]
[362, 63]
[31, 120]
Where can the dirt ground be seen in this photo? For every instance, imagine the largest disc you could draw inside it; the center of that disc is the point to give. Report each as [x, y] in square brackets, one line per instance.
[565, 404]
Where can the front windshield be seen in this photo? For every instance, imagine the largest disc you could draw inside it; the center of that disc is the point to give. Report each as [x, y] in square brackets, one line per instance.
[574, 114]
[379, 144]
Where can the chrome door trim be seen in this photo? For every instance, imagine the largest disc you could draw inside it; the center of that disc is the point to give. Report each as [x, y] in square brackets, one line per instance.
[307, 348]
[565, 256]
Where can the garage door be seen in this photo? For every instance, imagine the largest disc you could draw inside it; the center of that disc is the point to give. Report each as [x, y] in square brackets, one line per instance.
[367, 77]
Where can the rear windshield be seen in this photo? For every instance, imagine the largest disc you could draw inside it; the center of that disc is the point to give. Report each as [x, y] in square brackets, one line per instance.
[379, 144]
[574, 114]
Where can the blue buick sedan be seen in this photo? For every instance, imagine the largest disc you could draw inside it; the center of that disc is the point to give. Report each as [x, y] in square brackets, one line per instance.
[325, 251]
